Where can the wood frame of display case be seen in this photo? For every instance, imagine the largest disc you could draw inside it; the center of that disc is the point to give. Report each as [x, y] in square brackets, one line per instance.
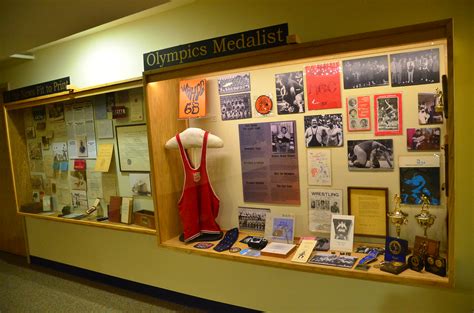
[162, 99]
[18, 150]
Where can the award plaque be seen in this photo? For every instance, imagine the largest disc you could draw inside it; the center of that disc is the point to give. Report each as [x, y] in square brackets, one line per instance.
[394, 267]
[424, 246]
[416, 263]
[436, 265]
[396, 249]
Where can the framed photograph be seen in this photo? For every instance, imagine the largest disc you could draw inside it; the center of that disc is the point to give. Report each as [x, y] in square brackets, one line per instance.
[358, 113]
[342, 232]
[132, 146]
[322, 204]
[420, 175]
[323, 85]
[283, 137]
[323, 130]
[236, 107]
[290, 93]
[372, 154]
[388, 114]
[426, 109]
[252, 219]
[423, 139]
[369, 206]
[365, 72]
[415, 68]
[234, 83]
[319, 167]
[280, 228]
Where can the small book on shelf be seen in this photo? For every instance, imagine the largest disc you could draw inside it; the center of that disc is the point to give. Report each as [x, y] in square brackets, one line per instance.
[278, 249]
[114, 209]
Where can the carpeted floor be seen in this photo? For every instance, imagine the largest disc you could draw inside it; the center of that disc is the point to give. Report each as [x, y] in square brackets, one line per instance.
[33, 288]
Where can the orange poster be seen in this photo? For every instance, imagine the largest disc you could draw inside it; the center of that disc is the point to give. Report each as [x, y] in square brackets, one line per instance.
[192, 98]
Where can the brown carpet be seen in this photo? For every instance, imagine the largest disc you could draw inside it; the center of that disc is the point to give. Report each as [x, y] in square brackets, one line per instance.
[33, 288]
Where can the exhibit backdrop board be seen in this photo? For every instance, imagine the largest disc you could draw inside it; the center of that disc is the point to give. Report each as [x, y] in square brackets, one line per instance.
[225, 164]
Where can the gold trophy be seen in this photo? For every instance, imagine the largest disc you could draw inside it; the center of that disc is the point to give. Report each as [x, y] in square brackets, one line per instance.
[425, 219]
[397, 216]
[439, 104]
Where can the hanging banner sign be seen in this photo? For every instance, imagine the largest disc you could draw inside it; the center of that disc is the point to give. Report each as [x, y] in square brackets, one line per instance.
[262, 38]
[33, 91]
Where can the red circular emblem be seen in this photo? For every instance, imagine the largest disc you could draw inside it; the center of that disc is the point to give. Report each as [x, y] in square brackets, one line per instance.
[263, 105]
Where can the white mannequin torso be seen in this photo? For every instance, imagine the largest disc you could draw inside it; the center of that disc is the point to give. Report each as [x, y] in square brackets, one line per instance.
[192, 138]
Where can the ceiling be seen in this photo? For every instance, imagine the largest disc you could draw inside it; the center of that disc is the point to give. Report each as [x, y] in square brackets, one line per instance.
[28, 24]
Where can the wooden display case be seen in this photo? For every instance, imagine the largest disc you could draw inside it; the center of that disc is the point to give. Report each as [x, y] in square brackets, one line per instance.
[19, 155]
[162, 95]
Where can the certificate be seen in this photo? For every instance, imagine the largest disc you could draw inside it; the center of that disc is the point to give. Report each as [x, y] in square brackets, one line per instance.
[369, 206]
[132, 144]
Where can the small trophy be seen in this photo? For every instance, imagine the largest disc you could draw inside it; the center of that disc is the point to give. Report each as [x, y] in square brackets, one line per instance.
[397, 216]
[425, 219]
[439, 106]
[396, 249]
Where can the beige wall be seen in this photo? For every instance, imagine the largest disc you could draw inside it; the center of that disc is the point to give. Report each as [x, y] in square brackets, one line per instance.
[137, 257]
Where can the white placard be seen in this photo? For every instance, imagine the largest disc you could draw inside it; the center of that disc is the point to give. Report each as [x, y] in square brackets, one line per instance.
[419, 160]
[342, 232]
[319, 167]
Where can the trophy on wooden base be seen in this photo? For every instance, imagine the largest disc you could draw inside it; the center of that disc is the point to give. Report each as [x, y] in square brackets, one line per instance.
[425, 219]
[396, 249]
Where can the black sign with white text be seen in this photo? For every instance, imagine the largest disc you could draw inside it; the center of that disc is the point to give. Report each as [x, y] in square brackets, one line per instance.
[262, 38]
[42, 89]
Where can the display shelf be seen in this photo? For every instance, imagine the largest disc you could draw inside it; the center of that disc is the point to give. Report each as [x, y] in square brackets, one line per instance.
[162, 89]
[407, 277]
[92, 222]
[14, 113]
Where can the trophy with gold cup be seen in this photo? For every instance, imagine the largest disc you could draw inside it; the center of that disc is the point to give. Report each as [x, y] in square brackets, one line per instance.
[396, 249]
[425, 219]
[426, 251]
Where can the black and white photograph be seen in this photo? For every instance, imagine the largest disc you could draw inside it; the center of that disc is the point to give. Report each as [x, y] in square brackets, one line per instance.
[415, 68]
[426, 109]
[35, 151]
[56, 112]
[423, 139]
[290, 93]
[372, 154]
[252, 219]
[342, 232]
[283, 137]
[236, 107]
[365, 72]
[342, 228]
[344, 261]
[234, 83]
[323, 130]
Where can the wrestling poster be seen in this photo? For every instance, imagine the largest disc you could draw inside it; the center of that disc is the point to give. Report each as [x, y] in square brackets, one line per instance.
[324, 86]
[269, 161]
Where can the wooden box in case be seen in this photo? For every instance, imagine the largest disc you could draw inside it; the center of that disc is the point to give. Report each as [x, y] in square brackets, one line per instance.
[144, 218]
